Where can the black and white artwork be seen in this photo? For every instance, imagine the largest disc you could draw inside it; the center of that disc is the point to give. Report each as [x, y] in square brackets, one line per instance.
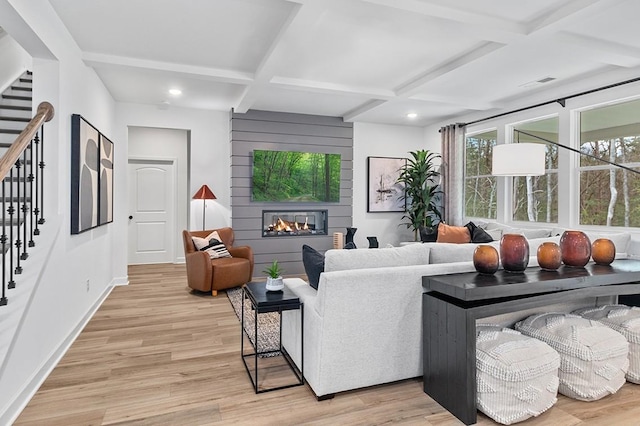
[91, 176]
[105, 214]
[384, 192]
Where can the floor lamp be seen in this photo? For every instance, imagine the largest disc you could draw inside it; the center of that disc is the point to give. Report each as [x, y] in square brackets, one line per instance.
[528, 159]
[204, 194]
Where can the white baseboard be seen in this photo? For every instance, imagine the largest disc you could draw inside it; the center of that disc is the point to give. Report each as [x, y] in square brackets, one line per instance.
[20, 401]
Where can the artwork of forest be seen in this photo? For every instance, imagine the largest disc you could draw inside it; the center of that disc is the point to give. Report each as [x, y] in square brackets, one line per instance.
[295, 176]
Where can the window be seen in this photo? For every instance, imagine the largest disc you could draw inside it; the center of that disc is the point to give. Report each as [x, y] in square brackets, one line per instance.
[535, 198]
[610, 195]
[480, 186]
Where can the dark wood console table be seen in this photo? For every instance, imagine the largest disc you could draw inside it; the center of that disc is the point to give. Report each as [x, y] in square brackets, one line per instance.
[452, 303]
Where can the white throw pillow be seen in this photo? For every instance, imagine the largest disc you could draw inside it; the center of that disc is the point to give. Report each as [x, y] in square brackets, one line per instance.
[211, 244]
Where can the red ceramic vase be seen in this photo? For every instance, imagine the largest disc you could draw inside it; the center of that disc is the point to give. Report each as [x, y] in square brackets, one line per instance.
[514, 252]
[549, 256]
[485, 259]
[603, 251]
[576, 248]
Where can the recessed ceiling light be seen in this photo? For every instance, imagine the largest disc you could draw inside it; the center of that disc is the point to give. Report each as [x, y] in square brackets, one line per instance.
[412, 115]
[175, 92]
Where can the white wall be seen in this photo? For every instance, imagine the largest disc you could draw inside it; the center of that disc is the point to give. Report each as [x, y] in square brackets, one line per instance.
[209, 161]
[15, 61]
[380, 140]
[61, 304]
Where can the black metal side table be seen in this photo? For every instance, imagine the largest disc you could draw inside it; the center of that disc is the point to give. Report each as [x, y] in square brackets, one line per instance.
[263, 301]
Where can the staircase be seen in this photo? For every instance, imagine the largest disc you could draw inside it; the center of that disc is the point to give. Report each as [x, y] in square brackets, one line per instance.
[20, 201]
[15, 109]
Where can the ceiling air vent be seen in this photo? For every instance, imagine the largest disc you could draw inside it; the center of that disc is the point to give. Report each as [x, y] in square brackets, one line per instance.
[538, 82]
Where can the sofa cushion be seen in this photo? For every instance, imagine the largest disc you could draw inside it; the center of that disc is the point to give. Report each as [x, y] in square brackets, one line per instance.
[449, 253]
[343, 260]
[313, 262]
[453, 234]
[527, 232]
[478, 235]
[620, 240]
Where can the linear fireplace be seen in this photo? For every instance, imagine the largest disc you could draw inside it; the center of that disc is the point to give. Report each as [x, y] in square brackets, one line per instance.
[293, 223]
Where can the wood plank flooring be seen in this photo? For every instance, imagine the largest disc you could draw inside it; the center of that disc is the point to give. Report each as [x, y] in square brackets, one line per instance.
[157, 354]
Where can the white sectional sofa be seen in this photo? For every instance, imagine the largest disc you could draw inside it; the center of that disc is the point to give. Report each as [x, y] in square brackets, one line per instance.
[363, 326]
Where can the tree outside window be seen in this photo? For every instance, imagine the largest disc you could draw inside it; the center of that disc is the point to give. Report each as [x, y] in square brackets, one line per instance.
[609, 195]
[480, 186]
[535, 198]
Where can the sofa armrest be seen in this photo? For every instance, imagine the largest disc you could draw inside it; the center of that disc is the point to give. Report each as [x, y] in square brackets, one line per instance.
[199, 270]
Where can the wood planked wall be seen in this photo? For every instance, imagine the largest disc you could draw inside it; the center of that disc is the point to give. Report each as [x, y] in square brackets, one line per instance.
[286, 132]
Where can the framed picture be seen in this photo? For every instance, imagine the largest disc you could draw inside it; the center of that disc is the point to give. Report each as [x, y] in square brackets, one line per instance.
[84, 175]
[105, 181]
[91, 176]
[384, 193]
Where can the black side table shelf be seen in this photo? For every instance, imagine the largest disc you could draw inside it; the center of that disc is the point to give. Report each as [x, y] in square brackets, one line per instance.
[263, 301]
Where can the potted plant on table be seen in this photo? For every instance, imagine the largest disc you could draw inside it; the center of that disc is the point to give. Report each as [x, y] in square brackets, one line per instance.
[274, 277]
[419, 177]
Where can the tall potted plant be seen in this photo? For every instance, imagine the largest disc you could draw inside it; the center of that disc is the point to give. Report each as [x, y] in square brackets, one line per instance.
[421, 192]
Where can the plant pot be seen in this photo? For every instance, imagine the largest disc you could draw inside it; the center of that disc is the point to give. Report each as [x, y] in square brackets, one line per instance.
[275, 284]
[428, 234]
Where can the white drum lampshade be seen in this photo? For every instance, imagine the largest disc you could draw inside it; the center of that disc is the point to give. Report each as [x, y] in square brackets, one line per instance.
[518, 159]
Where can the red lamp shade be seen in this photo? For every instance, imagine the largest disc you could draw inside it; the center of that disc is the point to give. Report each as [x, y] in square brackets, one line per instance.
[204, 193]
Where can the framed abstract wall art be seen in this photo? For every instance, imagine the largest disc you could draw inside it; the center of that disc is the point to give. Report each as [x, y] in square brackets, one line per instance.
[384, 193]
[91, 176]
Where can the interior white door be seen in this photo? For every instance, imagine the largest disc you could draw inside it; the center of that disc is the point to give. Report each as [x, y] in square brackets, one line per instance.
[151, 211]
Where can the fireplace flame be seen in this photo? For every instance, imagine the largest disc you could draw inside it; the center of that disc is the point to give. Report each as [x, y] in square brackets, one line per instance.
[306, 225]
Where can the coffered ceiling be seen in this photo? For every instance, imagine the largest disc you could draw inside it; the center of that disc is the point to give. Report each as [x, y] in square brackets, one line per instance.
[364, 60]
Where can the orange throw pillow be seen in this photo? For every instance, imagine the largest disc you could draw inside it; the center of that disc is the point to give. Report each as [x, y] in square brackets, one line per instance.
[453, 234]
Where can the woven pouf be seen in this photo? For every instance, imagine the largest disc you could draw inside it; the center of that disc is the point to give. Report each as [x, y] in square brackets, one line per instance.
[626, 321]
[593, 357]
[517, 376]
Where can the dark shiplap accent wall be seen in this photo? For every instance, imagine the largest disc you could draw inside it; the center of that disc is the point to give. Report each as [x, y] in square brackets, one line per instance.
[286, 132]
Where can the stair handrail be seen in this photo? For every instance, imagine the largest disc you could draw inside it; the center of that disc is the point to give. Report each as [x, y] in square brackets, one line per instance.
[45, 113]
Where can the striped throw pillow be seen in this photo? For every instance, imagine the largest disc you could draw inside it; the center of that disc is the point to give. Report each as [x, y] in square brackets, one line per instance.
[212, 244]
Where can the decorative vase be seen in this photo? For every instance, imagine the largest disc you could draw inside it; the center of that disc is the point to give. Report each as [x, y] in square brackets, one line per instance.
[275, 284]
[486, 259]
[373, 242]
[576, 248]
[349, 236]
[603, 251]
[549, 256]
[514, 252]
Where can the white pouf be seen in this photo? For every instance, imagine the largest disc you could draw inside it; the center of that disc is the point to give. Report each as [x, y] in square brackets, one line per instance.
[517, 376]
[626, 321]
[593, 357]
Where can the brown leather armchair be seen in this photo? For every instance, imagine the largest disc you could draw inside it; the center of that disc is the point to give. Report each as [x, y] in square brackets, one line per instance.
[206, 274]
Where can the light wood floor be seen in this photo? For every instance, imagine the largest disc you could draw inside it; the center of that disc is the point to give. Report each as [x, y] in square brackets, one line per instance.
[156, 354]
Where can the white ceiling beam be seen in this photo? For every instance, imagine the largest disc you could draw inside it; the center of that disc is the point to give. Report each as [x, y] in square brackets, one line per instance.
[413, 86]
[482, 26]
[607, 52]
[331, 88]
[299, 20]
[358, 111]
[99, 60]
[569, 13]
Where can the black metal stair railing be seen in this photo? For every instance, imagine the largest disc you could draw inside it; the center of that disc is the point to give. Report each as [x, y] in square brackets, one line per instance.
[22, 174]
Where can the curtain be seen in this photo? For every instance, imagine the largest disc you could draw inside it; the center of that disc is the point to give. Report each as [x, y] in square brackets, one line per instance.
[452, 173]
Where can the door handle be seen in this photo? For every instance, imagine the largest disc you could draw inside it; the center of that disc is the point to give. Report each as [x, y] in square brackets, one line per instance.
[130, 217]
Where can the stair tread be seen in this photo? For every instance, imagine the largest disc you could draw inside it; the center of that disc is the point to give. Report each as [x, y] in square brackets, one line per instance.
[10, 131]
[20, 119]
[17, 108]
[24, 89]
[17, 97]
